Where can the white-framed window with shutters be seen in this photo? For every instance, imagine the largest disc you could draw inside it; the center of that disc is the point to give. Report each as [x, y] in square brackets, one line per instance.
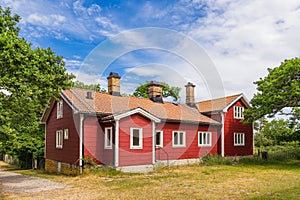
[59, 109]
[108, 138]
[238, 112]
[159, 136]
[59, 139]
[66, 134]
[136, 138]
[239, 139]
[178, 139]
[204, 139]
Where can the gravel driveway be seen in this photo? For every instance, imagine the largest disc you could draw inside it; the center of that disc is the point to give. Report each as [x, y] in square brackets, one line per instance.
[17, 183]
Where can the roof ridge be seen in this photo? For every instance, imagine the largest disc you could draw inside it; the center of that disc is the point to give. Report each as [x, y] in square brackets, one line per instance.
[220, 98]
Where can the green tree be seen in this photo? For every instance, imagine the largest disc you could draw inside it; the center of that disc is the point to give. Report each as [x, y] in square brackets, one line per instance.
[168, 91]
[278, 90]
[28, 79]
[95, 87]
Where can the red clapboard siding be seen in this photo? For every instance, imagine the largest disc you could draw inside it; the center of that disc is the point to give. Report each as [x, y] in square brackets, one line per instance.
[70, 151]
[191, 149]
[129, 156]
[94, 141]
[231, 126]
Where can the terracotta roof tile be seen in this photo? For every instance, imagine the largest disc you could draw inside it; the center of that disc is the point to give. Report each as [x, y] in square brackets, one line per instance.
[103, 103]
[216, 104]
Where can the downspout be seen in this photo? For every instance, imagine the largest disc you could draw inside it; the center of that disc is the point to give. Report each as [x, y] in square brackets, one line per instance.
[81, 129]
[222, 135]
[117, 143]
[153, 142]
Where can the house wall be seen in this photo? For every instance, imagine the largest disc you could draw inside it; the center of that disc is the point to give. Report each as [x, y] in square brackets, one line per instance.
[94, 142]
[231, 126]
[191, 149]
[129, 156]
[70, 150]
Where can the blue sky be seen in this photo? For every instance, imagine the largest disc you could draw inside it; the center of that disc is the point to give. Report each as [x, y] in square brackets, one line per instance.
[242, 38]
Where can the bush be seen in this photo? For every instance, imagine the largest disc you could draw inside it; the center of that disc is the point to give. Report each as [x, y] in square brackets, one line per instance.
[216, 160]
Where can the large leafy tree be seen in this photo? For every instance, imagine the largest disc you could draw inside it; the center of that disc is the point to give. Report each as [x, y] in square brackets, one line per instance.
[95, 87]
[167, 91]
[278, 90]
[29, 77]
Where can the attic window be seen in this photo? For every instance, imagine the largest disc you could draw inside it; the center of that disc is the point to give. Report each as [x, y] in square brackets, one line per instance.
[238, 112]
[59, 110]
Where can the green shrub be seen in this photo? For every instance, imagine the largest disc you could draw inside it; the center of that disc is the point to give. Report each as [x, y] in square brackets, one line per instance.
[216, 160]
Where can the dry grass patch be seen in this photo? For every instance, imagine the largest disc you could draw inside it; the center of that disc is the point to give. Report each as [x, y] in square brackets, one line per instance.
[188, 182]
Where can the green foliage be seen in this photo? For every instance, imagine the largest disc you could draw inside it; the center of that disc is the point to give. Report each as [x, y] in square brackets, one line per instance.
[280, 89]
[28, 79]
[167, 91]
[95, 87]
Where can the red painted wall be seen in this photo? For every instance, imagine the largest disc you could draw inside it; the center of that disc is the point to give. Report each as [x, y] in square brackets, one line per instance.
[94, 141]
[129, 156]
[70, 151]
[191, 150]
[235, 125]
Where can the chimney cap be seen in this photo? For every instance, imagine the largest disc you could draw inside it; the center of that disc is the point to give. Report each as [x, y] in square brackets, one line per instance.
[89, 95]
[190, 84]
[155, 83]
[113, 75]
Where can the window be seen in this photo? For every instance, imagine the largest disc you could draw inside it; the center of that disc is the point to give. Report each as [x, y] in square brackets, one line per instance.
[204, 138]
[239, 139]
[178, 139]
[59, 110]
[159, 139]
[108, 138]
[136, 138]
[238, 112]
[66, 134]
[59, 139]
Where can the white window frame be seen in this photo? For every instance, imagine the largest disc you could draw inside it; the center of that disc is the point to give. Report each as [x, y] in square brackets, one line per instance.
[161, 139]
[107, 142]
[238, 112]
[206, 139]
[239, 139]
[59, 139]
[183, 139]
[140, 146]
[59, 109]
[66, 134]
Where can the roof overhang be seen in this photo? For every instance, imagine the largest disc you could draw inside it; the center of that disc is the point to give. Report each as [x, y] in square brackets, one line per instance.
[136, 111]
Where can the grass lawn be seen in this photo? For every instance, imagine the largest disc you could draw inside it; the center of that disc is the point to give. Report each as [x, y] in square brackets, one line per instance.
[240, 181]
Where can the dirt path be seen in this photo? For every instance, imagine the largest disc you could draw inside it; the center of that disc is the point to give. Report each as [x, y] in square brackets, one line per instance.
[17, 183]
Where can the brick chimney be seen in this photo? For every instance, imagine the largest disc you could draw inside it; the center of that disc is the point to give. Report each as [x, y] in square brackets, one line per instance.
[114, 84]
[155, 91]
[190, 95]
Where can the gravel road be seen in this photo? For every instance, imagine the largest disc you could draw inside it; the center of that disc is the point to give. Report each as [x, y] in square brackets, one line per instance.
[17, 183]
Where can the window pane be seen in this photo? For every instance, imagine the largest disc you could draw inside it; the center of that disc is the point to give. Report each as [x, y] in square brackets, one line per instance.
[181, 138]
[176, 138]
[136, 137]
[204, 138]
[158, 138]
[208, 138]
[200, 138]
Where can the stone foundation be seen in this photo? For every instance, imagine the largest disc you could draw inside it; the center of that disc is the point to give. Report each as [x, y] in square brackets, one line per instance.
[61, 167]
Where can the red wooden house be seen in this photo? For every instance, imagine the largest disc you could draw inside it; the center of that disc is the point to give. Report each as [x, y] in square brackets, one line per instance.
[134, 134]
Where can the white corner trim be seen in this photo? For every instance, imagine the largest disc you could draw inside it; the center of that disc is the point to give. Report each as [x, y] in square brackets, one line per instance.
[223, 135]
[81, 128]
[245, 101]
[117, 144]
[139, 111]
[153, 142]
